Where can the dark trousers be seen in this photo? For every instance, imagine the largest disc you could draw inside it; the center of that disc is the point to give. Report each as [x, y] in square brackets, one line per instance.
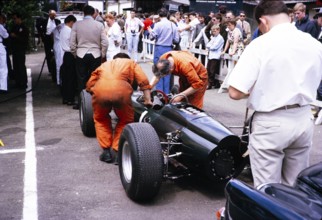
[48, 44]
[68, 77]
[213, 68]
[319, 92]
[84, 67]
[19, 68]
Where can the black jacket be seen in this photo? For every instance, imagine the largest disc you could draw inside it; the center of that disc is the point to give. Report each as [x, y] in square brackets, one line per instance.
[19, 42]
[308, 26]
[41, 25]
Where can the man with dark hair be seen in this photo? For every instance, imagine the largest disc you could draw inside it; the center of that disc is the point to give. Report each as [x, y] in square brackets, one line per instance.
[280, 93]
[19, 36]
[246, 30]
[133, 29]
[67, 69]
[111, 89]
[193, 77]
[164, 32]
[88, 43]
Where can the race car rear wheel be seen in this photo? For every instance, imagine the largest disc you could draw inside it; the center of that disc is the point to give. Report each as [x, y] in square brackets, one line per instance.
[140, 161]
[86, 114]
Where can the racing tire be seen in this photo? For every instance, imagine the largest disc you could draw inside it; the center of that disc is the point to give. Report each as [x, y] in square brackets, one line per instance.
[140, 161]
[86, 114]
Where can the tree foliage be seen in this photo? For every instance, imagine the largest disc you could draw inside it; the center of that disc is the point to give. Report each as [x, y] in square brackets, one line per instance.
[28, 9]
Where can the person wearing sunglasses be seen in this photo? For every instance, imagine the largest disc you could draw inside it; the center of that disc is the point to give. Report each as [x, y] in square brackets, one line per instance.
[246, 29]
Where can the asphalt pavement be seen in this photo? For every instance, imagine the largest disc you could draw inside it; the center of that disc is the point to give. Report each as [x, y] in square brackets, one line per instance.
[50, 170]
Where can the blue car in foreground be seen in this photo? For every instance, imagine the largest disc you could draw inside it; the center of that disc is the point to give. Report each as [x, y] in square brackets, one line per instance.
[276, 201]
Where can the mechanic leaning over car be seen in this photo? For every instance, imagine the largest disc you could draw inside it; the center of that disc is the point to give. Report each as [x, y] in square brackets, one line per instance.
[111, 88]
[193, 77]
[280, 88]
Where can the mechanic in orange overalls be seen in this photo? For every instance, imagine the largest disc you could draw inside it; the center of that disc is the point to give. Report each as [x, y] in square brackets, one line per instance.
[193, 77]
[111, 88]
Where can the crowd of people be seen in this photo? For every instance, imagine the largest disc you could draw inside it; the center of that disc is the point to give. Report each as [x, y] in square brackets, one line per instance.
[88, 55]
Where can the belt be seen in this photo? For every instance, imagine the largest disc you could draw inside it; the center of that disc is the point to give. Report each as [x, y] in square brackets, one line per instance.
[160, 45]
[285, 107]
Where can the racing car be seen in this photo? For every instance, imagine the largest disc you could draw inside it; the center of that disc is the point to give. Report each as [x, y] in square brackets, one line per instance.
[173, 140]
[169, 141]
[274, 200]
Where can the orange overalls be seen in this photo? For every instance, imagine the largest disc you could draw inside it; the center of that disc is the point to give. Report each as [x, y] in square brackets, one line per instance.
[191, 72]
[111, 88]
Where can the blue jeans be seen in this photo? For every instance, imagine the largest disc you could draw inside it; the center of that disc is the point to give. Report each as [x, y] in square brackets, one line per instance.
[149, 47]
[132, 45]
[165, 82]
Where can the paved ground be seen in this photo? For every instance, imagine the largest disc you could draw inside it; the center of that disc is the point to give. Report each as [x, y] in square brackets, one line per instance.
[49, 170]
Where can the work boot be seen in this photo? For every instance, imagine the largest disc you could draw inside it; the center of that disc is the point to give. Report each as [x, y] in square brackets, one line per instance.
[106, 156]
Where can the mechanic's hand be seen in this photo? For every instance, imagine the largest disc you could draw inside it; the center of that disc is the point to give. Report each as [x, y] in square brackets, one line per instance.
[148, 103]
[177, 99]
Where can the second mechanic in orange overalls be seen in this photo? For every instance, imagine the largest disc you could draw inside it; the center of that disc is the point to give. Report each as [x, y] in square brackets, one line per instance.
[193, 77]
[111, 88]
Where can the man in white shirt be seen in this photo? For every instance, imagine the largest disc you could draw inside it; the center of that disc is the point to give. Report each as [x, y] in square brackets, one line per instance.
[67, 70]
[133, 28]
[47, 27]
[280, 88]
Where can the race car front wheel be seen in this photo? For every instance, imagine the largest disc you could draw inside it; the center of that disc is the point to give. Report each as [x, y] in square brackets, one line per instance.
[140, 161]
[86, 114]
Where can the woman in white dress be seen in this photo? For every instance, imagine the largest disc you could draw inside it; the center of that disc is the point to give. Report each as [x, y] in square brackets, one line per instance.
[185, 35]
[114, 36]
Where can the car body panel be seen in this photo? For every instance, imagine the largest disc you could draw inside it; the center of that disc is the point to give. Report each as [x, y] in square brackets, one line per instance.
[275, 200]
[207, 146]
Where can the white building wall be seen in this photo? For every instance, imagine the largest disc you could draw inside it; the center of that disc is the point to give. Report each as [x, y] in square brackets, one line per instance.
[118, 7]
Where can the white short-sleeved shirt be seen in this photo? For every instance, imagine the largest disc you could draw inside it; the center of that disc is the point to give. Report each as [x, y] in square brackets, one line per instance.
[133, 24]
[65, 37]
[281, 67]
